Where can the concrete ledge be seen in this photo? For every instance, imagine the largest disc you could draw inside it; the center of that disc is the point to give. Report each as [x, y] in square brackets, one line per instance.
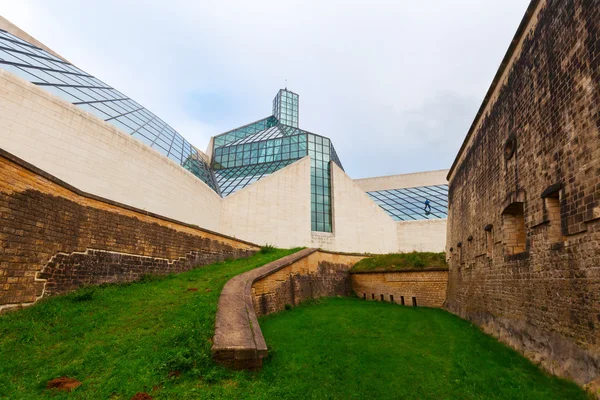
[238, 342]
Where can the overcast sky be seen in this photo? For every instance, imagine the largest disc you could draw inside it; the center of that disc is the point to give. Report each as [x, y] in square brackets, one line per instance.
[394, 84]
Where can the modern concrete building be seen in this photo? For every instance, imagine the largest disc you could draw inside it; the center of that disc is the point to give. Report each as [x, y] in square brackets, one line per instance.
[268, 182]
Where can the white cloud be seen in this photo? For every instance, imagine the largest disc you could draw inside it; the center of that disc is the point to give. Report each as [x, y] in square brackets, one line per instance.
[395, 84]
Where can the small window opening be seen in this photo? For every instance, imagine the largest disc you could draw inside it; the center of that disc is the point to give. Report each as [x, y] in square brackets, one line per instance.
[552, 203]
[372, 296]
[513, 229]
[382, 299]
[414, 300]
[392, 298]
[489, 240]
[364, 296]
[402, 300]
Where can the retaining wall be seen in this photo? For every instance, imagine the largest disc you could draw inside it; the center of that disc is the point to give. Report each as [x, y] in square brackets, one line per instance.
[238, 342]
[320, 274]
[55, 238]
[407, 287]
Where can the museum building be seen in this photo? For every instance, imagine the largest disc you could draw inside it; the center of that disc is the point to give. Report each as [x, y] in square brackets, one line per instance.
[267, 182]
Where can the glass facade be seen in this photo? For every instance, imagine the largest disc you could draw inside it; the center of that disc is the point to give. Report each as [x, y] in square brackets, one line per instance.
[252, 157]
[96, 97]
[244, 131]
[246, 154]
[285, 107]
[424, 202]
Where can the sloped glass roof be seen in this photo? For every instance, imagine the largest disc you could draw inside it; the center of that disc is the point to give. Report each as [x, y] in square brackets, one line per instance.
[408, 204]
[96, 97]
[240, 133]
[233, 179]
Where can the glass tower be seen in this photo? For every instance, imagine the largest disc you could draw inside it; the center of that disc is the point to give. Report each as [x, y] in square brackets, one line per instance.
[285, 107]
[246, 154]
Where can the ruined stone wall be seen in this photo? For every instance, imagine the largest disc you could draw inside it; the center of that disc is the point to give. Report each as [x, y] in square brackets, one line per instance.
[318, 275]
[54, 238]
[410, 288]
[524, 219]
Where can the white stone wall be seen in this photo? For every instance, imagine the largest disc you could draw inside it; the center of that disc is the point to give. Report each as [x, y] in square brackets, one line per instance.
[423, 235]
[428, 178]
[97, 158]
[274, 210]
[359, 224]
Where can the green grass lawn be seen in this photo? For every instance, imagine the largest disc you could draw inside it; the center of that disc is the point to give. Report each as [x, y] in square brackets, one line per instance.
[120, 340]
[401, 261]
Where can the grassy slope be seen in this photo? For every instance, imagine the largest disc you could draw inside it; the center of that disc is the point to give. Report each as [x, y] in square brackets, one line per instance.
[127, 339]
[391, 262]
[118, 340]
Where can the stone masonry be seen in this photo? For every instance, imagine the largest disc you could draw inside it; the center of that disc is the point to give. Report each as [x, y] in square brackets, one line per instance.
[425, 288]
[307, 274]
[55, 238]
[523, 237]
[320, 274]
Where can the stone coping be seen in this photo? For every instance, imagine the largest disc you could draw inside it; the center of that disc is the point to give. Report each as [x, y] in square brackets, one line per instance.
[238, 342]
[404, 270]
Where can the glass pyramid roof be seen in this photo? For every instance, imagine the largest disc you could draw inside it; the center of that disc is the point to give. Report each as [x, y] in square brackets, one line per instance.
[231, 180]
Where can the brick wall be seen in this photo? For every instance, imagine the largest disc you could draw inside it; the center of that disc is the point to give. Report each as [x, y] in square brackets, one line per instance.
[535, 144]
[318, 275]
[425, 288]
[54, 238]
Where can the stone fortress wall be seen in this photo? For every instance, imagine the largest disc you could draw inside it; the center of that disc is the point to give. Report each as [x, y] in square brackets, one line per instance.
[426, 288]
[524, 220]
[55, 238]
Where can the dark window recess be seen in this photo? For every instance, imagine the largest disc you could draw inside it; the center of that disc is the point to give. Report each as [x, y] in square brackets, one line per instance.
[513, 229]
[392, 298]
[552, 204]
[414, 299]
[382, 298]
[364, 296]
[372, 296]
[489, 238]
[402, 300]
[510, 146]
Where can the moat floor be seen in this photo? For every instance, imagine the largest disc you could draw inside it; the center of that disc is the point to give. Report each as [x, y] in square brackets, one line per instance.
[155, 337]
